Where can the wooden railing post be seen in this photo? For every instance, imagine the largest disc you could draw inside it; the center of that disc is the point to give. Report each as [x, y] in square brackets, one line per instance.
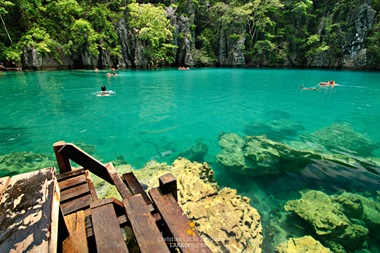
[168, 184]
[63, 162]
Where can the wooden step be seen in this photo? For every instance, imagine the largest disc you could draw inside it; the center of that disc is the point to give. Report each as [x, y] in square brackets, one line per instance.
[107, 232]
[144, 227]
[77, 240]
[182, 230]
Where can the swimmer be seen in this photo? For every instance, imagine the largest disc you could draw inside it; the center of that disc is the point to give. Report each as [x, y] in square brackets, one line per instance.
[103, 91]
[108, 74]
[305, 88]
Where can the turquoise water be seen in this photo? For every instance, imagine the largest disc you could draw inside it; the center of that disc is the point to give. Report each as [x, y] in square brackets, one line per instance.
[162, 113]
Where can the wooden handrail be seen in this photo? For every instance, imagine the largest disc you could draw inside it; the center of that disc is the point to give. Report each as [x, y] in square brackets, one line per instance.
[72, 152]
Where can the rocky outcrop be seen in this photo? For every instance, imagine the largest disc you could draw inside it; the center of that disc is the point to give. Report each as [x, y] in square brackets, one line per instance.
[344, 220]
[353, 53]
[32, 60]
[225, 220]
[258, 155]
[303, 244]
[328, 221]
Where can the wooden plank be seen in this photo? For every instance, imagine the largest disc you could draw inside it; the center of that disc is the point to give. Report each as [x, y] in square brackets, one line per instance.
[74, 192]
[91, 186]
[80, 203]
[29, 213]
[144, 227]
[106, 227]
[67, 175]
[62, 161]
[187, 237]
[86, 161]
[71, 182]
[135, 186]
[4, 181]
[121, 187]
[77, 241]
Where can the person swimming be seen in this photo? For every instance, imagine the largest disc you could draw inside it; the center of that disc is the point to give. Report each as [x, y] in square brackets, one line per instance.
[104, 91]
[307, 88]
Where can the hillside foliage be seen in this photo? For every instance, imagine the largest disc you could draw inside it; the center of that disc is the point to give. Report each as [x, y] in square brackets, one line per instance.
[272, 32]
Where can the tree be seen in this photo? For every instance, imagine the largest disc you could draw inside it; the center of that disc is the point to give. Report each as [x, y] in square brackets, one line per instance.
[150, 25]
[3, 11]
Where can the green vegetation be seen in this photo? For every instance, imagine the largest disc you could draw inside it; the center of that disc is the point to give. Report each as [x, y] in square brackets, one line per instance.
[212, 32]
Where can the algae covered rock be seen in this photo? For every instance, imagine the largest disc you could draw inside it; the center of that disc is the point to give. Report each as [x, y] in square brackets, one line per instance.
[21, 162]
[303, 244]
[258, 155]
[362, 208]
[342, 137]
[328, 220]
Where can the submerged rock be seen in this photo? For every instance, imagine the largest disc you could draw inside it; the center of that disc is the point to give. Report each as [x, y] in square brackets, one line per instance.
[21, 162]
[303, 244]
[258, 155]
[196, 152]
[328, 219]
[343, 138]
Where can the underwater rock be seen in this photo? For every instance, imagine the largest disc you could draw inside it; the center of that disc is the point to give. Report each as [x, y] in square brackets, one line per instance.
[328, 220]
[88, 148]
[196, 153]
[224, 219]
[303, 244]
[356, 206]
[258, 155]
[342, 137]
[21, 162]
[275, 129]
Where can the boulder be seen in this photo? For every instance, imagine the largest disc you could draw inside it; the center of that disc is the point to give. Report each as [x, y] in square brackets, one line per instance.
[328, 220]
[303, 244]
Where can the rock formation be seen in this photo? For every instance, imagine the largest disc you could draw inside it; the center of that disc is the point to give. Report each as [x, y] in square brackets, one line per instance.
[343, 220]
[303, 244]
[258, 155]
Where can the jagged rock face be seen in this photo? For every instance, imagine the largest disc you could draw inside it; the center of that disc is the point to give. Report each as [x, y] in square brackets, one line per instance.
[125, 45]
[31, 59]
[354, 53]
[231, 51]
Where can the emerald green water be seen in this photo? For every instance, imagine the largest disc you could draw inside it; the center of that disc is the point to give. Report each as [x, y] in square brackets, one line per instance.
[157, 115]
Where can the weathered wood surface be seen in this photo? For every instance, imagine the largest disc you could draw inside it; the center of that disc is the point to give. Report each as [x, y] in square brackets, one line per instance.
[183, 231]
[29, 210]
[121, 187]
[62, 161]
[135, 186]
[77, 241]
[4, 181]
[144, 227]
[73, 181]
[75, 192]
[91, 186]
[77, 204]
[88, 162]
[72, 173]
[106, 228]
[168, 184]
